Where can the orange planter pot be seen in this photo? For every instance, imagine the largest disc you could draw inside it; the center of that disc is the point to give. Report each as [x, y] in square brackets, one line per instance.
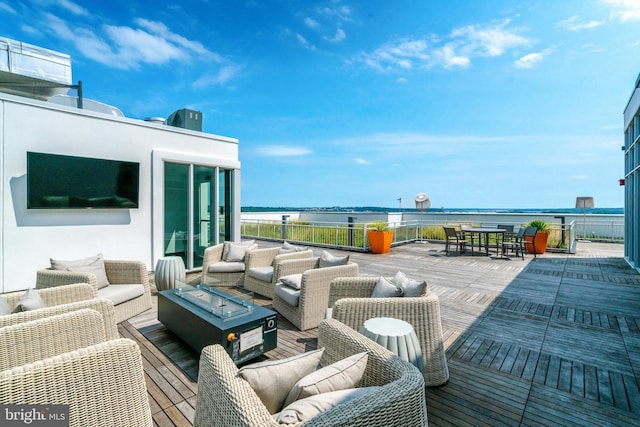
[540, 243]
[380, 241]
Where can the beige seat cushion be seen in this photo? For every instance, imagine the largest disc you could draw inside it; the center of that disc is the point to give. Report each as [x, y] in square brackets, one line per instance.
[288, 294]
[261, 273]
[118, 294]
[226, 267]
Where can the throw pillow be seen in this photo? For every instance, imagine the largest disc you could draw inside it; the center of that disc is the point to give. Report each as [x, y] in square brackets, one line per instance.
[227, 246]
[410, 287]
[287, 248]
[293, 281]
[272, 380]
[4, 307]
[237, 252]
[30, 300]
[305, 409]
[328, 260]
[344, 374]
[385, 289]
[93, 265]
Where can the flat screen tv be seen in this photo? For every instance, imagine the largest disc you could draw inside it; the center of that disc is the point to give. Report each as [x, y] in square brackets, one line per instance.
[67, 182]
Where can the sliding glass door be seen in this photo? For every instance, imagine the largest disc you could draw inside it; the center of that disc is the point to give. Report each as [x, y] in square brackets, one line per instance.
[197, 210]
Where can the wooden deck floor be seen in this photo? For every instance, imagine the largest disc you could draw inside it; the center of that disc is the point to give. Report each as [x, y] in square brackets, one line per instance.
[550, 341]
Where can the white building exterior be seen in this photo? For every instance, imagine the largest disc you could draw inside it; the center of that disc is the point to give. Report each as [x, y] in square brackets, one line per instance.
[175, 202]
[631, 150]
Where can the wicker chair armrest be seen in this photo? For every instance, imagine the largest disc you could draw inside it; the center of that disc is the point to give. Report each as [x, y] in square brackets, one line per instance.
[260, 257]
[314, 287]
[47, 278]
[28, 342]
[127, 272]
[102, 306]
[294, 266]
[224, 398]
[212, 255]
[351, 287]
[103, 384]
[63, 294]
[399, 402]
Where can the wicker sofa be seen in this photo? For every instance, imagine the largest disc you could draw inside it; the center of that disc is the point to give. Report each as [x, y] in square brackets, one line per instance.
[313, 295]
[351, 303]
[118, 273]
[67, 359]
[64, 299]
[263, 268]
[225, 399]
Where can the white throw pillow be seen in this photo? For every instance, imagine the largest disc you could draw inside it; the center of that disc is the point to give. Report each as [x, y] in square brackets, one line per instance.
[305, 409]
[288, 248]
[293, 281]
[385, 289]
[341, 375]
[328, 260]
[272, 380]
[410, 287]
[94, 265]
[237, 252]
[30, 300]
[226, 247]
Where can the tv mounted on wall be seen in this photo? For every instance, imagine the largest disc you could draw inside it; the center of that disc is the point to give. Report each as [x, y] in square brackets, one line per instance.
[67, 182]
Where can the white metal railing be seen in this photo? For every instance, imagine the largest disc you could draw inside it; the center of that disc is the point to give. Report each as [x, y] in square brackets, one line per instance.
[352, 235]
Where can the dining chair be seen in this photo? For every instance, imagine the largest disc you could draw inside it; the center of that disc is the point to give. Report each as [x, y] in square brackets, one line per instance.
[515, 245]
[531, 232]
[451, 235]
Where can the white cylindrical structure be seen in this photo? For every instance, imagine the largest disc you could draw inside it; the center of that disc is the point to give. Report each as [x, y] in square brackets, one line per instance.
[169, 270]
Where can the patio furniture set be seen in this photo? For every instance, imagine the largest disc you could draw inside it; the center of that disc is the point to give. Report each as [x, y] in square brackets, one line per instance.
[505, 240]
[62, 337]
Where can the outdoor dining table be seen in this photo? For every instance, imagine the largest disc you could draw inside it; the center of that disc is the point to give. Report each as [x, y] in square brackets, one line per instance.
[486, 231]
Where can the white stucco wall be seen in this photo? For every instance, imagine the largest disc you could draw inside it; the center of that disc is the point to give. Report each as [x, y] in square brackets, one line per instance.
[28, 238]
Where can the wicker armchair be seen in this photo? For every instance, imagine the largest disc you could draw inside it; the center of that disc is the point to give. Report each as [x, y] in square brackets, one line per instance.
[64, 299]
[261, 263]
[314, 295]
[224, 398]
[118, 273]
[226, 273]
[351, 303]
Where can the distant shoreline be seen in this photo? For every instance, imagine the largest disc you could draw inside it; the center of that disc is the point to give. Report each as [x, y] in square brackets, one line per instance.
[598, 211]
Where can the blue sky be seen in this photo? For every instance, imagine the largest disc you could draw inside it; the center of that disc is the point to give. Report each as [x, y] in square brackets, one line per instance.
[480, 104]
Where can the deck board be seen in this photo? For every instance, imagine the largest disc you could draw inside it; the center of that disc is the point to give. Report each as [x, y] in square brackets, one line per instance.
[550, 341]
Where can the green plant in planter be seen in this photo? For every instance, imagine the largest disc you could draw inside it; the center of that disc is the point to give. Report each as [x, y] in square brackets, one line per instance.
[540, 224]
[378, 226]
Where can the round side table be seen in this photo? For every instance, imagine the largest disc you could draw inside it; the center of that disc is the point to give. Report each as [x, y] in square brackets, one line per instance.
[396, 336]
[169, 270]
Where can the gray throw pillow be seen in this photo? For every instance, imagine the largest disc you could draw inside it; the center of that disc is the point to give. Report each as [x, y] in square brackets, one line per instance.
[237, 252]
[30, 300]
[272, 380]
[385, 289]
[4, 307]
[227, 246]
[293, 281]
[288, 248]
[328, 260]
[410, 287]
[94, 265]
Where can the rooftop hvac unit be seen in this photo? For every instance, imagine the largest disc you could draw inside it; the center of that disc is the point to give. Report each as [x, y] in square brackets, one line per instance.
[187, 119]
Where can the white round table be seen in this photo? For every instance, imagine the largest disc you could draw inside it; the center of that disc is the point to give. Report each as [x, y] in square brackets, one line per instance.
[169, 269]
[396, 336]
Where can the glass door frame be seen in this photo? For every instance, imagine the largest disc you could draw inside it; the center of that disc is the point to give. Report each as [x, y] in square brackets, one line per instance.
[159, 158]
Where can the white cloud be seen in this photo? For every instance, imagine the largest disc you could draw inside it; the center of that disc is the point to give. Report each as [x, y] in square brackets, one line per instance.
[311, 23]
[221, 77]
[304, 42]
[283, 151]
[625, 10]
[338, 37]
[456, 51]
[73, 7]
[361, 161]
[7, 8]
[528, 61]
[129, 48]
[574, 24]
[401, 80]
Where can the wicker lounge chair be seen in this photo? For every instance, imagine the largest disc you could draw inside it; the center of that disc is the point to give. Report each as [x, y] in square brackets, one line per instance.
[221, 272]
[64, 299]
[313, 298]
[351, 303]
[225, 399]
[263, 268]
[102, 383]
[118, 273]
